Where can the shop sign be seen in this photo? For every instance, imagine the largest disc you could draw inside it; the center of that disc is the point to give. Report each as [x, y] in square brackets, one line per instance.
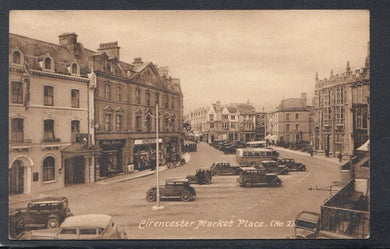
[146, 141]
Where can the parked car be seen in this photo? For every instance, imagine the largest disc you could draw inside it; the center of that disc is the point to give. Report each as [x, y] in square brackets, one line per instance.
[273, 166]
[81, 227]
[201, 177]
[173, 188]
[291, 164]
[224, 168]
[251, 176]
[306, 225]
[15, 220]
[47, 212]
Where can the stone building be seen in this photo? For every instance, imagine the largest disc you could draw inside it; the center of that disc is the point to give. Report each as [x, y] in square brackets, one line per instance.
[290, 121]
[232, 122]
[104, 125]
[261, 125]
[48, 114]
[341, 122]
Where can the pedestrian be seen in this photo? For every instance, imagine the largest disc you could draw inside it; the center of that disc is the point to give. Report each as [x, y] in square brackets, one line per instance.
[340, 156]
[311, 152]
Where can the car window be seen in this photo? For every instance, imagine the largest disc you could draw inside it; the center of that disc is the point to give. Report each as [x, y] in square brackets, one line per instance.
[68, 231]
[87, 231]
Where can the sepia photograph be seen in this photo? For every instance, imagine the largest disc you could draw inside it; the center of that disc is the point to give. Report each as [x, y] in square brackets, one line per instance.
[189, 124]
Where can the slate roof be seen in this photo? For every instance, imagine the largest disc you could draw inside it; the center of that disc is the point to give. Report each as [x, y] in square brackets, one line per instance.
[35, 51]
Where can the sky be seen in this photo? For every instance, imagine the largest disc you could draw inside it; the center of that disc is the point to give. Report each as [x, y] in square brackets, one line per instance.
[262, 56]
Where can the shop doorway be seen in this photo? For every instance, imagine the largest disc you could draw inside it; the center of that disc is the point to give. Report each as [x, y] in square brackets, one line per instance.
[75, 170]
[16, 178]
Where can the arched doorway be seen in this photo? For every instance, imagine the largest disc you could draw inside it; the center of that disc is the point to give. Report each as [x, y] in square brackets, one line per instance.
[16, 178]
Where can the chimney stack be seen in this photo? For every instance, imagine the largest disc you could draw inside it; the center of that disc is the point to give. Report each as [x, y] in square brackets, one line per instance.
[138, 61]
[68, 39]
[110, 48]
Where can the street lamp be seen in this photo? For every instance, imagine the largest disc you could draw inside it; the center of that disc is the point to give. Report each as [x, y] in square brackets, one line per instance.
[157, 207]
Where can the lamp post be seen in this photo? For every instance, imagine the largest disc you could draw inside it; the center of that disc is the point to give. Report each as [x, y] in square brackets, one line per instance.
[157, 207]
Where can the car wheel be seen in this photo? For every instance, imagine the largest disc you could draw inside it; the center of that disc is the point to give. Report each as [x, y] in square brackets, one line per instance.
[53, 222]
[247, 184]
[217, 173]
[186, 196]
[151, 196]
[277, 183]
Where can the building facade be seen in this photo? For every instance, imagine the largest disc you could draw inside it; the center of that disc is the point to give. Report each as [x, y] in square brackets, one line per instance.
[261, 125]
[232, 122]
[77, 115]
[48, 111]
[290, 121]
[341, 122]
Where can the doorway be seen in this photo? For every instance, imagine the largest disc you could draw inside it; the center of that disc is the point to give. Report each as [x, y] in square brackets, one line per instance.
[16, 178]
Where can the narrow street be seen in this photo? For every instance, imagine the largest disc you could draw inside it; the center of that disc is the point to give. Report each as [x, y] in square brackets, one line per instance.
[221, 210]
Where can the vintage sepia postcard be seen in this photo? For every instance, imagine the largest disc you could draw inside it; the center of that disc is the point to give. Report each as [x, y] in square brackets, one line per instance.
[197, 124]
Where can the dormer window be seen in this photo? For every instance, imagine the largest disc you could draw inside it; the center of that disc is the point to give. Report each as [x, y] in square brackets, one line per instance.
[74, 68]
[47, 63]
[16, 57]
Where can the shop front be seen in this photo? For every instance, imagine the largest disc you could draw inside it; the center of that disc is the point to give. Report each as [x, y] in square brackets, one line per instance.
[110, 162]
[144, 152]
[78, 163]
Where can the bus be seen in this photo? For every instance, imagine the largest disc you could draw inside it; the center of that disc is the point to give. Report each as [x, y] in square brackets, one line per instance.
[256, 144]
[253, 156]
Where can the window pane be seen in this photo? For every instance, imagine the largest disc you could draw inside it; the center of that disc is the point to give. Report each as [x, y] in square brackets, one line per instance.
[17, 92]
[68, 231]
[85, 231]
[75, 98]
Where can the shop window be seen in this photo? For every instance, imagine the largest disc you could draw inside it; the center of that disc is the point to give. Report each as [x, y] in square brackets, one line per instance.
[17, 92]
[17, 133]
[16, 57]
[48, 95]
[49, 130]
[48, 169]
[75, 98]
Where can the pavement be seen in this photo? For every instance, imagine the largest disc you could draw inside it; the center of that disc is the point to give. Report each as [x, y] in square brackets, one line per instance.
[330, 159]
[23, 198]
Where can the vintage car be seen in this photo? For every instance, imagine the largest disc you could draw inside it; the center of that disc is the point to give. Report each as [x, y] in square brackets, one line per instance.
[273, 166]
[251, 176]
[224, 168]
[306, 225]
[201, 177]
[81, 227]
[173, 188]
[15, 220]
[291, 164]
[47, 212]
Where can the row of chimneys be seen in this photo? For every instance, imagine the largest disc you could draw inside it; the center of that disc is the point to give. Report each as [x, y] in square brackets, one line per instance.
[69, 40]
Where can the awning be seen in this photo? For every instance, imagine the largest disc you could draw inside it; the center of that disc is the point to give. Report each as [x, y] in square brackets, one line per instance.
[80, 149]
[365, 146]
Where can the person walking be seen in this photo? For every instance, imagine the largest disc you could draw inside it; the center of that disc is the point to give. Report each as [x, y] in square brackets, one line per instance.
[340, 156]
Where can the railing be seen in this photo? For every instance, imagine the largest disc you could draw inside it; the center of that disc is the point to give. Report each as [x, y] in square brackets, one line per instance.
[48, 140]
[354, 223]
[20, 141]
